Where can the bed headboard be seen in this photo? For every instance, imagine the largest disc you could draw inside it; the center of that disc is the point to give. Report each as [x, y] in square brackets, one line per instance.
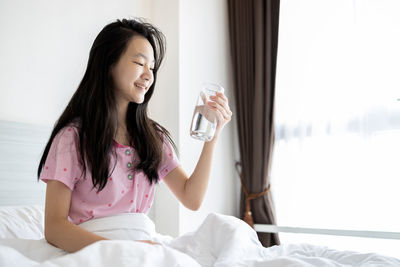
[21, 146]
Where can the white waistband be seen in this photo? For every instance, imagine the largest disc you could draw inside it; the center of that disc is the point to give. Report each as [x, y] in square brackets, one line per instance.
[137, 221]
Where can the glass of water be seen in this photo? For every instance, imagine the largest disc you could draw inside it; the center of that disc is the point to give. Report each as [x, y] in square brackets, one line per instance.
[204, 120]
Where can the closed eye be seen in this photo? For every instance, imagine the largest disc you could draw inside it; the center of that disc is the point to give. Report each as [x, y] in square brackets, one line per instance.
[140, 64]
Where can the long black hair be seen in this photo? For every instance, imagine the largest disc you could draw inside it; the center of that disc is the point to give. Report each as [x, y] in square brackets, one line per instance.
[93, 106]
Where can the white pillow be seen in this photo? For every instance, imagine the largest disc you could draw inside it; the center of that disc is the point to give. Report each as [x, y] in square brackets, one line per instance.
[24, 221]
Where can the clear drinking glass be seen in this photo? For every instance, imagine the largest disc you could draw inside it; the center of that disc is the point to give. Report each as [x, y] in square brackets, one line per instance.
[204, 120]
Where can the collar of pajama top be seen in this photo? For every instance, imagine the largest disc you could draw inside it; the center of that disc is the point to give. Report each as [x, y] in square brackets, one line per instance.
[125, 191]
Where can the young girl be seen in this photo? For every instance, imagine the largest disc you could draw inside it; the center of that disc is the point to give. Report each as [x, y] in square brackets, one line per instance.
[105, 155]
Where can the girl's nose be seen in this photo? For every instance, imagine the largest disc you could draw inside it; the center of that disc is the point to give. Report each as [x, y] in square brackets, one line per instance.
[147, 74]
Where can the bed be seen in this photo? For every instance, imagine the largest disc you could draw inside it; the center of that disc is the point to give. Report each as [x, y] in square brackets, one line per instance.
[220, 240]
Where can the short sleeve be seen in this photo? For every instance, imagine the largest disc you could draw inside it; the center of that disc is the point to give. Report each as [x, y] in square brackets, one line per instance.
[62, 162]
[170, 160]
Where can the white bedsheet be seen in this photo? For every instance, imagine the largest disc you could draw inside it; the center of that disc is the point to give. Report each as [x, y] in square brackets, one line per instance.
[219, 241]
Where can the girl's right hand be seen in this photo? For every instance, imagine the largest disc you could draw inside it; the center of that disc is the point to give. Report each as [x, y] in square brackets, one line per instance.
[149, 242]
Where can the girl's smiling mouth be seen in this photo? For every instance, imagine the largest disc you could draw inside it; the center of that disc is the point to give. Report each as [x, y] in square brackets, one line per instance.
[140, 86]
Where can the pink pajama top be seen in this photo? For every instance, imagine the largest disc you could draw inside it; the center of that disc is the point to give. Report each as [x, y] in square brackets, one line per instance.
[125, 191]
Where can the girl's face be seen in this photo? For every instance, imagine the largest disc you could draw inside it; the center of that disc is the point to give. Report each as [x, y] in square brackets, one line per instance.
[133, 73]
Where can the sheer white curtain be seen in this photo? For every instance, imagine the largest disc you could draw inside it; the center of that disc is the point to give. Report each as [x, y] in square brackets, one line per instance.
[336, 158]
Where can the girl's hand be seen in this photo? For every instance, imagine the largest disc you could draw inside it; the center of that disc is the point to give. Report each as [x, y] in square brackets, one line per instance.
[219, 104]
[148, 242]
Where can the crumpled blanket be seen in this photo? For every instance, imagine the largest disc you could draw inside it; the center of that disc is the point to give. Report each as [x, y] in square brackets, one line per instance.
[220, 240]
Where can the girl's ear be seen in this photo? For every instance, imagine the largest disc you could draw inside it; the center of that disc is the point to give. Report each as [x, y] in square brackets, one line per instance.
[111, 70]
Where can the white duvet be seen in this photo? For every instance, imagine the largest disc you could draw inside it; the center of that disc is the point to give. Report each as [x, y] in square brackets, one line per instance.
[220, 241]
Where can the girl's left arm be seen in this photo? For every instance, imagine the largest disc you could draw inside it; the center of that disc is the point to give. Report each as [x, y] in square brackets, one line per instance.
[191, 190]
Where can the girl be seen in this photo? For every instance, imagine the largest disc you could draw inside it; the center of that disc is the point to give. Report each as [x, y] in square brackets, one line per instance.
[105, 156]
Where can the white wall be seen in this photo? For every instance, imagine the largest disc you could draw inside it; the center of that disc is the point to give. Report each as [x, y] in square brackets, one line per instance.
[44, 51]
[197, 51]
[205, 56]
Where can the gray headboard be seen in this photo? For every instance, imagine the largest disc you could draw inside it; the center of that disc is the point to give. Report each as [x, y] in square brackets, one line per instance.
[21, 146]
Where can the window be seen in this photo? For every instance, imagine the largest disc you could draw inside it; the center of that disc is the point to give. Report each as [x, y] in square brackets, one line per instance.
[336, 162]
